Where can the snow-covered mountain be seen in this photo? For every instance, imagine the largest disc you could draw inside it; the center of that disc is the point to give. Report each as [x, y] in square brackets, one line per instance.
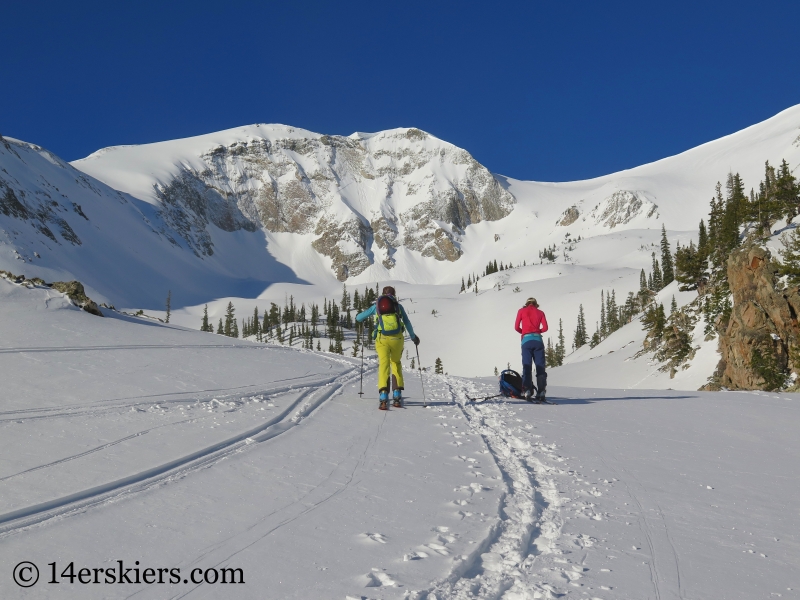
[359, 199]
[260, 211]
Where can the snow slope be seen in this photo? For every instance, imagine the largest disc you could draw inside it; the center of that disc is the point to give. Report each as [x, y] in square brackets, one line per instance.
[124, 439]
[59, 224]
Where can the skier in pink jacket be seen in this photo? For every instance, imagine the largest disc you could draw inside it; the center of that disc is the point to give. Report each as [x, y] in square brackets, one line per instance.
[531, 324]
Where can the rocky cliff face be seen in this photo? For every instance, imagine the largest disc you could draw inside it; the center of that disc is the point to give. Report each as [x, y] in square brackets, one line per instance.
[761, 337]
[42, 205]
[362, 196]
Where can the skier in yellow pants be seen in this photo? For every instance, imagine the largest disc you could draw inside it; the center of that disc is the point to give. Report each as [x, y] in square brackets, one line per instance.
[391, 321]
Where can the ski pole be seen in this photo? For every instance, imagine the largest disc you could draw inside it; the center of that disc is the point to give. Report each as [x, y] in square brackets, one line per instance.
[419, 366]
[361, 392]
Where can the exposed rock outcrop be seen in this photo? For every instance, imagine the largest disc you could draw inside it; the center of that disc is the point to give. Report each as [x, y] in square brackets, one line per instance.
[344, 244]
[345, 190]
[72, 289]
[761, 336]
[622, 207]
[569, 217]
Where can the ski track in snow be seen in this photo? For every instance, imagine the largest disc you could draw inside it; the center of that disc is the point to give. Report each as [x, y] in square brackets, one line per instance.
[338, 481]
[114, 404]
[529, 522]
[307, 403]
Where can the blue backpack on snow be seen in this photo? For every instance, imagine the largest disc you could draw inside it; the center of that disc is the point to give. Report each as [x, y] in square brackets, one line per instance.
[511, 384]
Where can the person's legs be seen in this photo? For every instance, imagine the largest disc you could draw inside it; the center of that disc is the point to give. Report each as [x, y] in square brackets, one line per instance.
[383, 351]
[539, 360]
[527, 362]
[395, 356]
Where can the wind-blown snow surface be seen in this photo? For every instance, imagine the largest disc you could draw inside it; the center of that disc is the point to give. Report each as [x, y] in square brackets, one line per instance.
[129, 440]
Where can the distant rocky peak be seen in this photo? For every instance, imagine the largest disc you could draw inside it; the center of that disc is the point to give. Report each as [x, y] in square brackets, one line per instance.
[363, 196]
[622, 207]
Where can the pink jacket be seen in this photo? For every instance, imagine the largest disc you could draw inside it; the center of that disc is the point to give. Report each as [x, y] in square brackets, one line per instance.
[530, 320]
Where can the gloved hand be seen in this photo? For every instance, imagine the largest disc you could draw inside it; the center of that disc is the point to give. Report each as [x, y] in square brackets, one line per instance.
[416, 340]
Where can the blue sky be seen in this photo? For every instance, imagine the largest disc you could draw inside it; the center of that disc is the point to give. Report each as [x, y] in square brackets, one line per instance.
[548, 91]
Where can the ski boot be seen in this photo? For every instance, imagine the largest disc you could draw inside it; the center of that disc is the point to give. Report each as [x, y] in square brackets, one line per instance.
[397, 396]
[541, 398]
[528, 395]
[384, 400]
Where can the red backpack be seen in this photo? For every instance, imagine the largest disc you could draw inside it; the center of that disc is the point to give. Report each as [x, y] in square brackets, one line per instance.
[389, 320]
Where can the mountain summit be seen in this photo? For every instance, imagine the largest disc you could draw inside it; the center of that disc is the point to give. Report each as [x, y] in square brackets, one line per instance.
[360, 198]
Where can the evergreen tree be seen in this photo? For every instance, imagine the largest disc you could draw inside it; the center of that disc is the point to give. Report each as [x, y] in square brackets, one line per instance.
[631, 307]
[715, 215]
[169, 305]
[438, 369]
[274, 314]
[654, 321]
[790, 257]
[673, 307]
[765, 365]
[734, 215]
[463, 288]
[581, 336]
[319, 348]
[220, 330]
[612, 312]
[702, 246]
[205, 326]
[689, 270]
[658, 280]
[770, 209]
[549, 355]
[667, 270]
[787, 191]
[235, 329]
[230, 319]
[412, 364]
[676, 339]
[561, 346]
[595, 339]
[603, 328]
[314, 318]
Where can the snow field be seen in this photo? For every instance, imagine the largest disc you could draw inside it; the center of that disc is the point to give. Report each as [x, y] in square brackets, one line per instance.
[167, 457]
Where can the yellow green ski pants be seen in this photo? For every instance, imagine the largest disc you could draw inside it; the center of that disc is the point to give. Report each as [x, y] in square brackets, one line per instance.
[390, 352]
